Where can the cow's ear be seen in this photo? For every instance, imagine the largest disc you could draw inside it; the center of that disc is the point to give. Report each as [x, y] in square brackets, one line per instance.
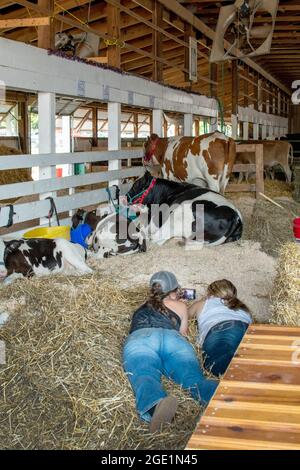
[154, 137]
[13, 245]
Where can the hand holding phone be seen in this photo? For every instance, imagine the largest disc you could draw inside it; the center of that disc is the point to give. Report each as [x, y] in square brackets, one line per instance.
[188, 294]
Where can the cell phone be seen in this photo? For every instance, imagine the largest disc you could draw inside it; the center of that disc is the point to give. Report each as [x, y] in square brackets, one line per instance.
[188, 294]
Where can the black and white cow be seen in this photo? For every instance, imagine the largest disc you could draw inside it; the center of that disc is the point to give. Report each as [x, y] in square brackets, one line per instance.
[116, 235]
[219, 220]
[41, 257]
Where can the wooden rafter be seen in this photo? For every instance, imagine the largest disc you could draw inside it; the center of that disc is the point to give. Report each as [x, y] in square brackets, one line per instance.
[25, 22]
[113, 28]
[46, 33]
[157, 39]
[85, 118]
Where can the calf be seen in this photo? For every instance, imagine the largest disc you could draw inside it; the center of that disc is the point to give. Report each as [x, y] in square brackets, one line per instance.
[275, 153]
[116, 235]
[41, 257]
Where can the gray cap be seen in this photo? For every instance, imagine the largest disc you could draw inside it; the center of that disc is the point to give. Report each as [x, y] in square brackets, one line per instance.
[166, 279]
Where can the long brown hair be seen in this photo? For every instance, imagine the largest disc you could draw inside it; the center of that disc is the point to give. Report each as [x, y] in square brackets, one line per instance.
[156, 299]
[226, 291]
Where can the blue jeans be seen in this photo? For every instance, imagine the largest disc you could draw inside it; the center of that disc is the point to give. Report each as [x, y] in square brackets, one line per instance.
[221, 344]
[150, 353]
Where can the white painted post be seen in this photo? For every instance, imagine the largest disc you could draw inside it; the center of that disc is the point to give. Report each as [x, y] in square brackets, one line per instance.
[255, 131]
[234, 124]
[68, 169]
[188, 125]
[114, 136]
[263, 132]
[158, 121]
[245, 130]
[66, 126]
[46, 111]
[214, 124]
[260, 105]
[270, 132]
[71, 169]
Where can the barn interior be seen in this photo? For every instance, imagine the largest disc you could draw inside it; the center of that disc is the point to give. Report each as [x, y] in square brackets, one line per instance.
[83, 85]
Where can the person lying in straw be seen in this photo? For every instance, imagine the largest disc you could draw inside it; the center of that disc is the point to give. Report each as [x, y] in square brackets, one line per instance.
[156, 346]
[222, 320]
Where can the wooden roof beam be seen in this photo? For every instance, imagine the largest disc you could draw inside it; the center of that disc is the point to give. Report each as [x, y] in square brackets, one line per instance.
[46, 34]
[25, 22]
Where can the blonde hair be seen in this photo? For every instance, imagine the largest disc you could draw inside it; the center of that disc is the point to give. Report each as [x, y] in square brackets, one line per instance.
[226, 291]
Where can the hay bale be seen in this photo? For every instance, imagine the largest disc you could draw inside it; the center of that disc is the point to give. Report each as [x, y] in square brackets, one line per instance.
[285, 298]
[270, 225]
[13, 176]
[19, 175]
[63, 386]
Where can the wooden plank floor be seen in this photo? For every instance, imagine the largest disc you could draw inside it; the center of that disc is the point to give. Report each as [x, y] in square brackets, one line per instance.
[257, 403]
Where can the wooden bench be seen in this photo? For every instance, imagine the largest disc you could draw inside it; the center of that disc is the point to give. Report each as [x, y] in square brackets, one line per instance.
[257, 403]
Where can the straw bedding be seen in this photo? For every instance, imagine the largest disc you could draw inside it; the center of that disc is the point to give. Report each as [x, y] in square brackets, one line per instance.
[285, 298]
[63, 386]
[271, 225]
[277, 188]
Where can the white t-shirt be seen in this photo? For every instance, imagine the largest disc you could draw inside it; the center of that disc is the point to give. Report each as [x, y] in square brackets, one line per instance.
[214, 312]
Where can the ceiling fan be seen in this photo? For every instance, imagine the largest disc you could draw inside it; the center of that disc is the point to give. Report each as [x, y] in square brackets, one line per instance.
[236, 26]
[81, 45]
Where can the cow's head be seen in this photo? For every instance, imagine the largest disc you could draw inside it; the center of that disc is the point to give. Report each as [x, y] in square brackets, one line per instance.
[78, 218]
[152, 154]
[139, 186]
[92, 219]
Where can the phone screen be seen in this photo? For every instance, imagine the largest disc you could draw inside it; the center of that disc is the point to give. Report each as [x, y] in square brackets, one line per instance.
[189, 294]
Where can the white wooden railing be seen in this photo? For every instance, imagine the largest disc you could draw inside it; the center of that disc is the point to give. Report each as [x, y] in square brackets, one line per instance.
[28, 211]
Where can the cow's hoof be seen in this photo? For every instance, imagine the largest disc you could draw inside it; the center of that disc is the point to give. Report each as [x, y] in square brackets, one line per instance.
[143, 247]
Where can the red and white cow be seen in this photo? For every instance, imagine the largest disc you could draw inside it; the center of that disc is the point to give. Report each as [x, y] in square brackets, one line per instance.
[206, 160]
